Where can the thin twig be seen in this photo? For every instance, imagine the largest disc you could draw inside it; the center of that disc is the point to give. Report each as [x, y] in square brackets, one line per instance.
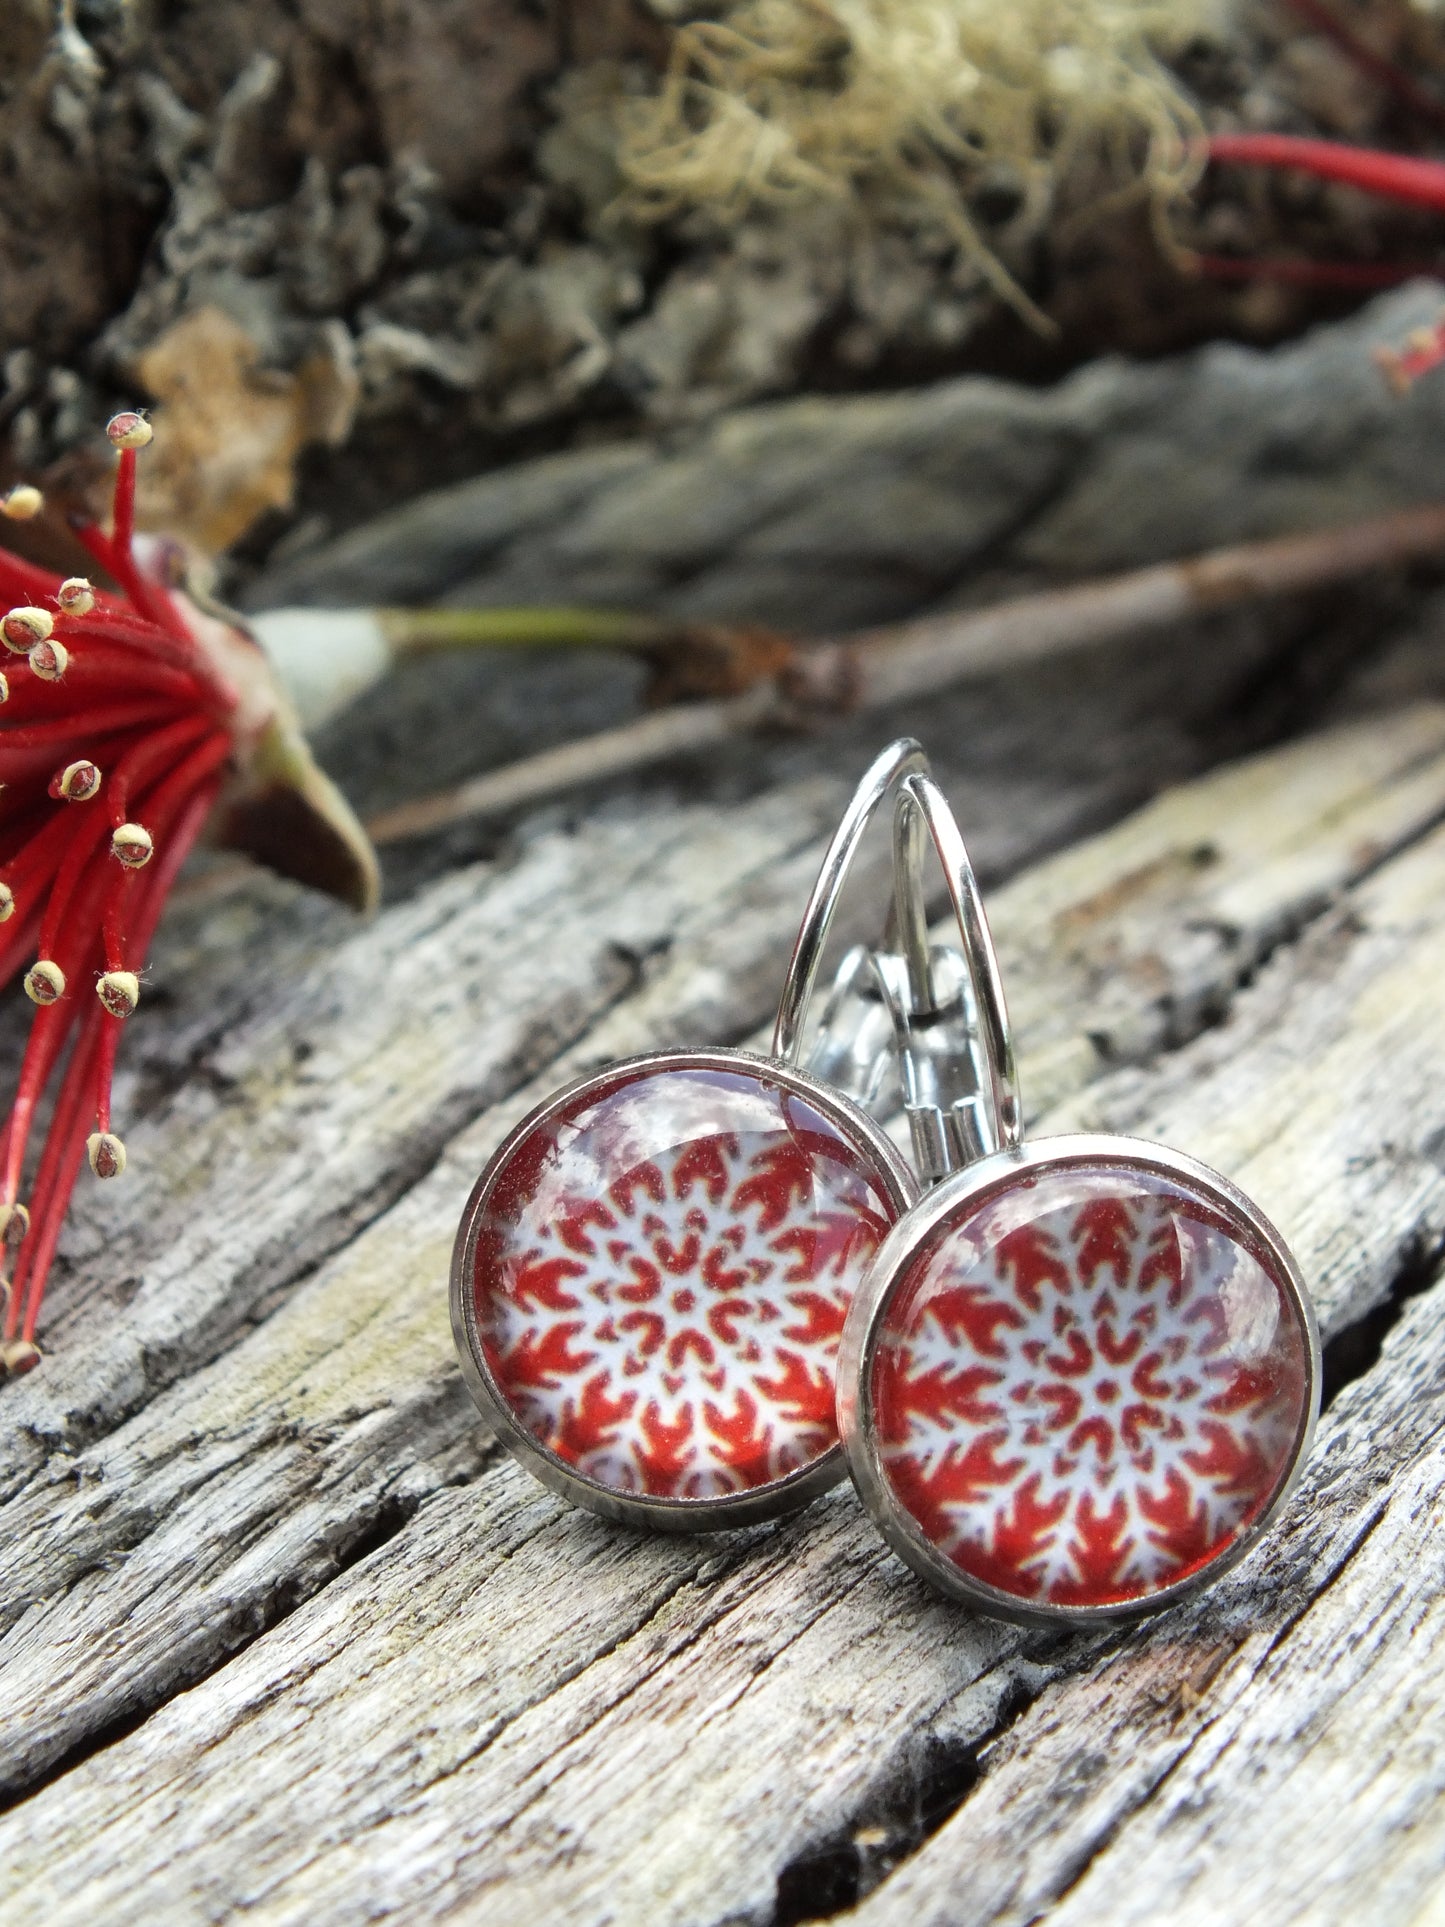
[613, 752]
[885, 665]
[911, 658]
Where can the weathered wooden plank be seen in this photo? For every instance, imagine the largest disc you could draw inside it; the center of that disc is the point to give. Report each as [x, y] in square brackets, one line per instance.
[1271, 1755]
[1315, 1785]
[1133, 940]
[1110, 909]
[1287, 1754]
[439, 1726]
[321, 1490]
[307, 1070]
[351, 1064]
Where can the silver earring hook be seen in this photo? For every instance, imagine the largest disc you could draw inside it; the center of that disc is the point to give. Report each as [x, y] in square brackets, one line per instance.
[942, 1091]
[901, 759]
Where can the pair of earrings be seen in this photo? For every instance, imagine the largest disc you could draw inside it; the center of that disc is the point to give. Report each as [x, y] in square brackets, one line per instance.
[1072, 1379]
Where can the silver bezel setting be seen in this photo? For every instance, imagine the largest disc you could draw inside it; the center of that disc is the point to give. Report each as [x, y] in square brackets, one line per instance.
[762, 1502]
[960, 1196]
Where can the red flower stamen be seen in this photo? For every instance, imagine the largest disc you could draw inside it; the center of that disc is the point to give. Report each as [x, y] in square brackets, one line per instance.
[1296, 272]
[75, 596]
[116, 735]
[117, 558]
[23, 628]
[1399, 177]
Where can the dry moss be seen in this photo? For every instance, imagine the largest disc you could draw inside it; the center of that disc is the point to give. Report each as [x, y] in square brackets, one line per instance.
[899, 112]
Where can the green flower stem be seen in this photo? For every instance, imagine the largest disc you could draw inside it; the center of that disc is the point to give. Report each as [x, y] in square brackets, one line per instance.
[413, 631]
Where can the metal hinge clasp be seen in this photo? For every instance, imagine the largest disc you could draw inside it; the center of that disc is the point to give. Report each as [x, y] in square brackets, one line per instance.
[892, 1057]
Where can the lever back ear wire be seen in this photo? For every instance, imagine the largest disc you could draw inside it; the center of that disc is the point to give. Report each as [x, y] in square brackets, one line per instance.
[651, 1275]
[952, 1041]
[852, 1045]
[900, 760]
[1081, 1375]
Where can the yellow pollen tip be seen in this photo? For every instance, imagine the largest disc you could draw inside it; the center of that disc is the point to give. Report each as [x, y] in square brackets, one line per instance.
[44, 982]
[50, 660]
[22, 628]
[131, 845]
[7, 903]
[75, 596]
[106, 1154]
[119, 991]
[78, 782]
[22, 504]
[14, 1223]
[129, 430]
[19, 1355]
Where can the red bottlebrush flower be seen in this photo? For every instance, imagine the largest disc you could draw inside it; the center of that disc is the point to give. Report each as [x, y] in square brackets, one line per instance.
[124, 715]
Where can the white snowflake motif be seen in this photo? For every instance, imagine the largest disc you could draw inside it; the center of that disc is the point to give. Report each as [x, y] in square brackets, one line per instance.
[675, 1330]
[1085, 1397]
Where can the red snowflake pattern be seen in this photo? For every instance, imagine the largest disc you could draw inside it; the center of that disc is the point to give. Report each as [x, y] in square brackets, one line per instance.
[662, 1276]
[1089, 1387]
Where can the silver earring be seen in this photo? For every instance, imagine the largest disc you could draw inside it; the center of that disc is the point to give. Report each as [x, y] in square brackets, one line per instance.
[651, 1276]
[1081, 1375]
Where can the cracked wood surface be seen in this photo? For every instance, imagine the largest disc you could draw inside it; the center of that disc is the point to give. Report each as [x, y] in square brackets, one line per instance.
[284, 1634]
[298, 1073]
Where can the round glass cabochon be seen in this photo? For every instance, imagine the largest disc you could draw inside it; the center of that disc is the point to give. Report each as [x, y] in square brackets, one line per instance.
[662, 1273]
[1089, 1384]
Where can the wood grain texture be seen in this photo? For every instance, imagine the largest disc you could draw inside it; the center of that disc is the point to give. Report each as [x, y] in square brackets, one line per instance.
[292, 1073]
[378, 1673]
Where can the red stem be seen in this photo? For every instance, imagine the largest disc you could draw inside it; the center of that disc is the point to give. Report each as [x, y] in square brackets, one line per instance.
[105, 640]
[35, 1260]
[123, 504]
[22, 581]
[55, 1178]
[151, 754]
[52, 1024]
[148, 597]
[170, 795]
[1398, 177]
[1310, 274]
[113, 922]
[99, 672]
[38, 765]
[40, 853]
[116, 624]
[58, 731]
[136, 768]
[50, 1028]
[105, 1069]
[90, 830]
